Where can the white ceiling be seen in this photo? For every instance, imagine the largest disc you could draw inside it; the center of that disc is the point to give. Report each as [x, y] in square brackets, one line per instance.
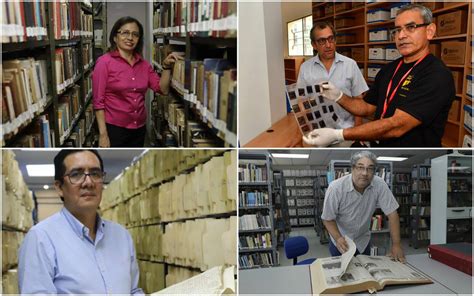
[115, 160]
[322, 157]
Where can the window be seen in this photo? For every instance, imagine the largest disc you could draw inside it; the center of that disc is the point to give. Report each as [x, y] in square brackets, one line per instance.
[299, 43]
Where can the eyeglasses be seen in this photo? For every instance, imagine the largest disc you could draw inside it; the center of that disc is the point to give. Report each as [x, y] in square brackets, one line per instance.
[362, 169]
[79, 176]
[126, 34]
[410, 28]
[322, 41]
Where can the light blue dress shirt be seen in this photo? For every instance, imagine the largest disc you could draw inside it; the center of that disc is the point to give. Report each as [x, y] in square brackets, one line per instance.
[344, 74]
[58, 256]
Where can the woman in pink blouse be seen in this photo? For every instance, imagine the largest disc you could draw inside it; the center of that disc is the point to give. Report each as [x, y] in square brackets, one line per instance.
[120, 81]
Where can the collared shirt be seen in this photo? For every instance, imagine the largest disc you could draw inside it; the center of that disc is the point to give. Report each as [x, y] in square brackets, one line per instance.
[57, 256]
[344, 74]
[353, 211]
[119, 88]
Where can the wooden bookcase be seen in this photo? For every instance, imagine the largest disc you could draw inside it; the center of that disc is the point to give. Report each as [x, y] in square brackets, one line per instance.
[24, 130]
[356, 32]
[211, 33]
[292, 69]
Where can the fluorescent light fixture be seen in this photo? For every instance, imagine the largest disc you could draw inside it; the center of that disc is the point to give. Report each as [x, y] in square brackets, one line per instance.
[290, 155]
[40, 170]
[46, 187]
[392, 158]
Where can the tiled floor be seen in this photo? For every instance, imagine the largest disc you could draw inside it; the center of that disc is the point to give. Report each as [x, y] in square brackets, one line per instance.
[316, 250]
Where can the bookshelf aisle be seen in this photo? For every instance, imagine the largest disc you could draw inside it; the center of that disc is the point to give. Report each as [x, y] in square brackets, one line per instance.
[420, 211]
[201, 110]
[320, 187]
[47, 60]
[282, 218]
[257, 239]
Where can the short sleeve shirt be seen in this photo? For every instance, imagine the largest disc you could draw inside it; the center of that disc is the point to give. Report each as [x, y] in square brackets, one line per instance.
[344, 73]
[353, 211]
[426, 94]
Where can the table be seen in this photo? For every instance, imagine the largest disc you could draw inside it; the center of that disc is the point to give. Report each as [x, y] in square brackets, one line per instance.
[283, 133]
[296, 279]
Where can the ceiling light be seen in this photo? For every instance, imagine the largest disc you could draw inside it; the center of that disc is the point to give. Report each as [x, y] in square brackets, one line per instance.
[40, 170]
[391, 158]
[290, 155]
[46, 187]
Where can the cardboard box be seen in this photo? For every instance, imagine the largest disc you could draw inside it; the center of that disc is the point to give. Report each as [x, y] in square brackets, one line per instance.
[378, 15]
[454, 111]
[453, 52]
[380, 34]
[373, 70]
[457, 76]
[395, 8]
[392, 53]
[357, 53]
[344, 22]
[342, 6]
[376, 53]
[451, 23]
[435, 49]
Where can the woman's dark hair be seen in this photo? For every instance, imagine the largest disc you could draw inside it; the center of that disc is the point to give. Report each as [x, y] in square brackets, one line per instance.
[118, 24]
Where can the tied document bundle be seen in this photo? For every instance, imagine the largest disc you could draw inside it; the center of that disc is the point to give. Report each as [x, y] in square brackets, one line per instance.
[349, 274]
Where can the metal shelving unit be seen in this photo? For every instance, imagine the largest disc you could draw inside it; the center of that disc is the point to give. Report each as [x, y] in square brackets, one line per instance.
[420, 205]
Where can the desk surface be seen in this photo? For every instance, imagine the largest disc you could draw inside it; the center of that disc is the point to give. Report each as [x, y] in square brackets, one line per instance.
[283, 133]
[296, 279]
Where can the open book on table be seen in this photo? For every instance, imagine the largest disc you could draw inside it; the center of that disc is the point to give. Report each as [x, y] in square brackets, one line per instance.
[349, 274]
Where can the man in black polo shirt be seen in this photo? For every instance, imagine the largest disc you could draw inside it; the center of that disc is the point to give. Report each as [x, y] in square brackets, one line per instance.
[411, 96]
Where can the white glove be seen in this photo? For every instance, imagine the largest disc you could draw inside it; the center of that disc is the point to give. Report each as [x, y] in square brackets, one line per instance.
[324, 137]
[330, 91]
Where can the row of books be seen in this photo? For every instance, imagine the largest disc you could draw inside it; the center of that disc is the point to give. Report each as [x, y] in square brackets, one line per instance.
[298, 182]
[421, 185]
[256, 241]
[211, 85]
[23, 20]
[302, 173]
[203, 18]
[402, 178]
[323, 181]
[70, 21]
[24, 91]
[68, 112]
[385, 174]
[421, 172]
[38, 133]
[306, 212]
[305, 221]
[402, 200]
[376, 251]
[341, 172]
[87, 55]
[294, 221]
[252, 173]
[254, 221]
[459, 185]
[256, 260]
[401, 189]
[302, 202]
[253, 198]
[423, 234]
[376, 222]
[66, 63]
[292, 212]
[422, 211]
[299, 192]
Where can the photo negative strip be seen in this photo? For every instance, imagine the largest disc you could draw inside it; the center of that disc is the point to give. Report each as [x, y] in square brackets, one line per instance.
[311, 109]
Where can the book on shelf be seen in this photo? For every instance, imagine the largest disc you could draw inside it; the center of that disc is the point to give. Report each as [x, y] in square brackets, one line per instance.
[66, 65]
[37, 134]
[252, 173]
[23, 20]
[255, 241]
[421, 172]
[349, 274]
[256, 260]
[253, 198]
[376, 223]
[254, 222]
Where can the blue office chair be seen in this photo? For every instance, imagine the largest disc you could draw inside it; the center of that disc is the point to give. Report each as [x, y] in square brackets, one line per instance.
[297, 246]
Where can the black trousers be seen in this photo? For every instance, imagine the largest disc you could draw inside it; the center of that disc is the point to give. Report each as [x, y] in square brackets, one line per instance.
[125, 137]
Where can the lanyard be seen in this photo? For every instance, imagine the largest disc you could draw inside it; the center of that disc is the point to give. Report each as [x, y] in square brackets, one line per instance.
[389, 100]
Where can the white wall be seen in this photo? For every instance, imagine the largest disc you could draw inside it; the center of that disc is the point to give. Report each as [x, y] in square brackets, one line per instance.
[291, 11]
[261, 87]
